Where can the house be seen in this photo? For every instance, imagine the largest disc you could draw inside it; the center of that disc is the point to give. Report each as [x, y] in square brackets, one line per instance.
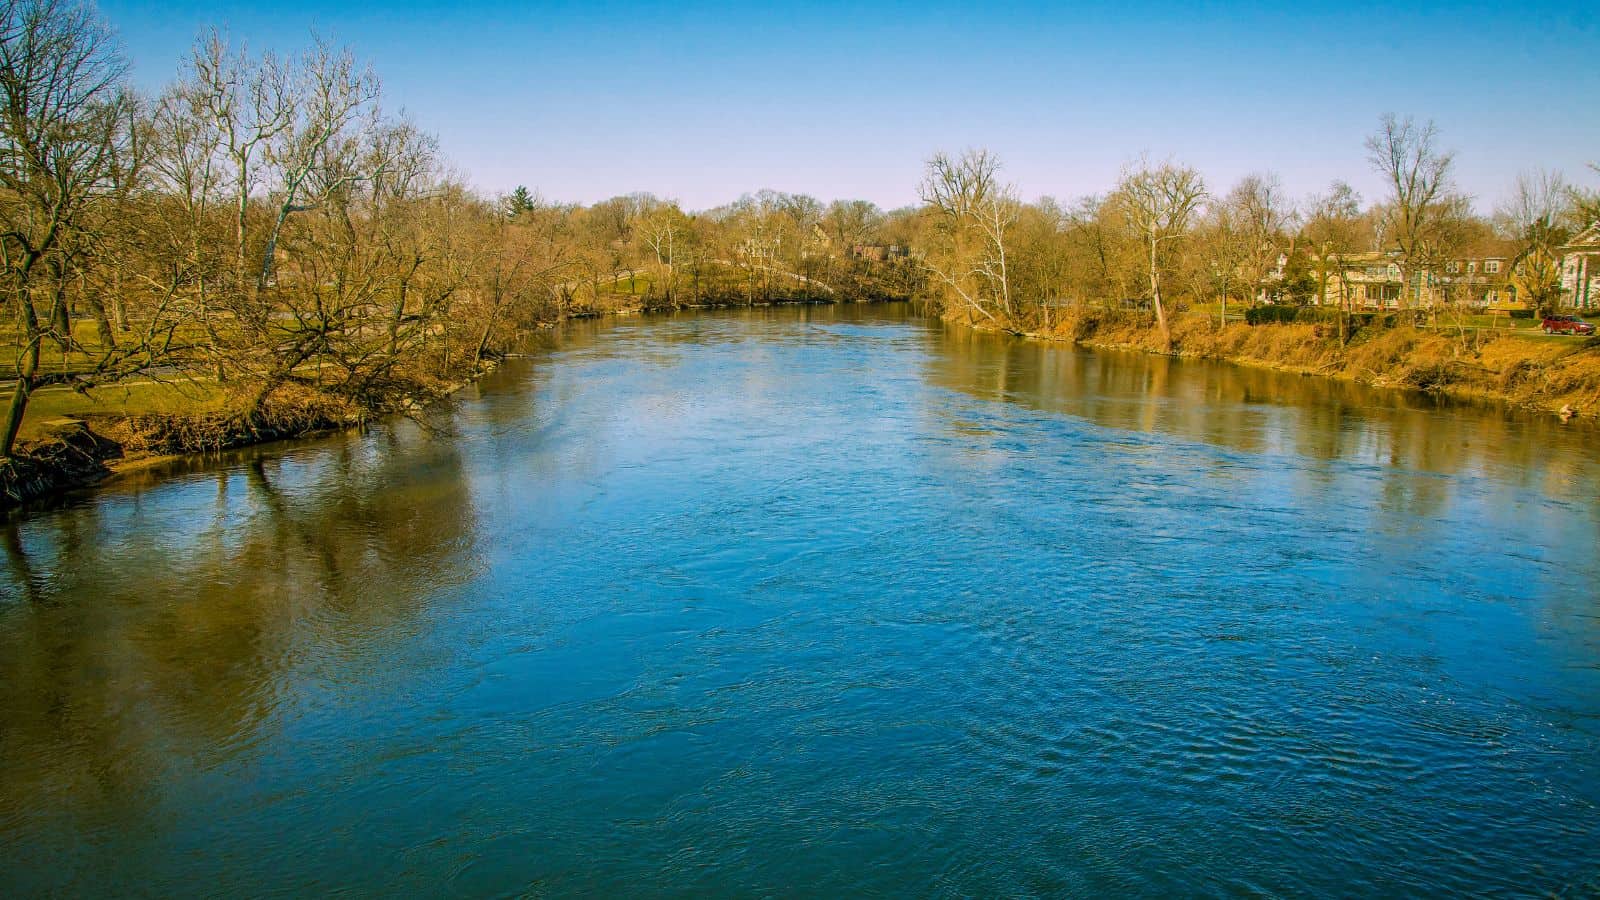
[1270, 290]
[1485, 277]
[1480, 277]
[1367, 280]
[878, 252]
[1580, 269]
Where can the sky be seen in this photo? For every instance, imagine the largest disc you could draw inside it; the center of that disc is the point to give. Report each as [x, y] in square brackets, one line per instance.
[702, 103]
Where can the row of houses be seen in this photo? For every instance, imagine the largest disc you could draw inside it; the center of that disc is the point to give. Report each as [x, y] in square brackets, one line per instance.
[1492, 278]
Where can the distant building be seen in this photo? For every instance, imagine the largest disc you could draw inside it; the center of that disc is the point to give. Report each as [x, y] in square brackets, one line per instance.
[1480, 278]
[1367, 280]
[1270, 290]
[1580, 269]
[878, 252]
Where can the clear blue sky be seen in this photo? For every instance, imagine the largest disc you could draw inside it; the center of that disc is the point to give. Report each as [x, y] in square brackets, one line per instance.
[702, 103]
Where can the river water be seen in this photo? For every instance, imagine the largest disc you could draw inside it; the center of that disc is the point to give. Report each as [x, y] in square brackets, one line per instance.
[818, 600]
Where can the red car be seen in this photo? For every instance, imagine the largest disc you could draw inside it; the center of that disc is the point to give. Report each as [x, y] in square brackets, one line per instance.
[1567, 325]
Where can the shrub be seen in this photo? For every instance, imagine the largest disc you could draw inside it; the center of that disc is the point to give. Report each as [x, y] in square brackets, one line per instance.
[1276, 315]
[1373, 320]
[1318, 315]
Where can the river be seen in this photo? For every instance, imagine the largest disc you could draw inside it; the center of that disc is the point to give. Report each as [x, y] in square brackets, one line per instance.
[823, 600]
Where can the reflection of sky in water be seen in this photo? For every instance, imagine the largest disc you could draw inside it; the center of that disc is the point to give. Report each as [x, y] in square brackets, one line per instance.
[670, 598]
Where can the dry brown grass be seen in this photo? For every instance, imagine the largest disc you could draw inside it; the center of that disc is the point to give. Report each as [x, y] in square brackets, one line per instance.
[1517, 369]
[292, 410]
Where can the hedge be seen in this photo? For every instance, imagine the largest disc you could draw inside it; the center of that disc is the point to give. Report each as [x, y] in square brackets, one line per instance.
[1315, 315]
[1264, 315]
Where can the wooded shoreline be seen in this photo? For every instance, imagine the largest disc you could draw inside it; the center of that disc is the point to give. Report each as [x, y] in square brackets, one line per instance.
[88, 452]
[1560, 380]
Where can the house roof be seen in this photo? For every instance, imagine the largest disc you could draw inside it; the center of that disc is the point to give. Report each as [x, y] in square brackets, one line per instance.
[1587, 240]
[1490, 247]
[1368, 256]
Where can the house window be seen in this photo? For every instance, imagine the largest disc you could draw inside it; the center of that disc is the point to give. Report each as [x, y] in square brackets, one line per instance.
[1491, 266]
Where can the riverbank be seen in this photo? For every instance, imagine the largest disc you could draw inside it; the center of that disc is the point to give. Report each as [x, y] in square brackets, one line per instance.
[68, 451]
[73, 453]
[1561, 377]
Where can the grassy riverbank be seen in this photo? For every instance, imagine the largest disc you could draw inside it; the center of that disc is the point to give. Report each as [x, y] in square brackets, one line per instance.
[75, 439]
[1560, 375]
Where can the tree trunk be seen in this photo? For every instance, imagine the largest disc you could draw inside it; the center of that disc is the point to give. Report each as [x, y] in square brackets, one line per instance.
[60, 317]
[102, 323]
[27, 370]
[119, 310]
[1155, 295]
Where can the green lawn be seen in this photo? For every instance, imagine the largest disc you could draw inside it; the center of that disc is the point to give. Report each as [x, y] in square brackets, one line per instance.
[132, 398]
[637, 285]
[51, 358]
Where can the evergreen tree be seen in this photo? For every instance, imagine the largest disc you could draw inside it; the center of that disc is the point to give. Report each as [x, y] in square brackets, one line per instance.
[519, 201]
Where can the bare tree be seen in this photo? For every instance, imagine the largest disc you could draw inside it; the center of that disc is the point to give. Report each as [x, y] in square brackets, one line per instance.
[249, 104]
[851, 222]
[1334, 228]
[1262, 214]
[336, 109]
[976, 212]
[1418, 174]
[1158, 203]
[1534, 217]
[517, 258]
[1106, 261]
[61, 76]
[1227, 247]
[661, 224]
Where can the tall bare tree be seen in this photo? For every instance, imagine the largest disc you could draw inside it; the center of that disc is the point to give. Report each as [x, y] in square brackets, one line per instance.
[335, 112]
[976, 212]
[1158, 203]
[1263, 215]
[1334, 229]
[1534, 216]
[662, 224]
[60, 126]
[1227, 245]
[1418, 173]
[248, 103]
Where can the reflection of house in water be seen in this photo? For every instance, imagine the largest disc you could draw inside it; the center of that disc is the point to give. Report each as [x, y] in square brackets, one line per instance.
[1580, 269]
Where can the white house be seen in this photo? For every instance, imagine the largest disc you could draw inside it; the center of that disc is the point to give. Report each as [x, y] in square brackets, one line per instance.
[1580, 269]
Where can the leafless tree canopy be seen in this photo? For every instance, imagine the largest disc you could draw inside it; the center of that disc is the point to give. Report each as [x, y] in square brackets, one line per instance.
[1418, 175]
[1158, 203]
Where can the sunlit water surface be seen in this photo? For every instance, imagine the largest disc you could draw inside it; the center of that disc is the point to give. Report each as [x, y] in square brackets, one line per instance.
[816, 600]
